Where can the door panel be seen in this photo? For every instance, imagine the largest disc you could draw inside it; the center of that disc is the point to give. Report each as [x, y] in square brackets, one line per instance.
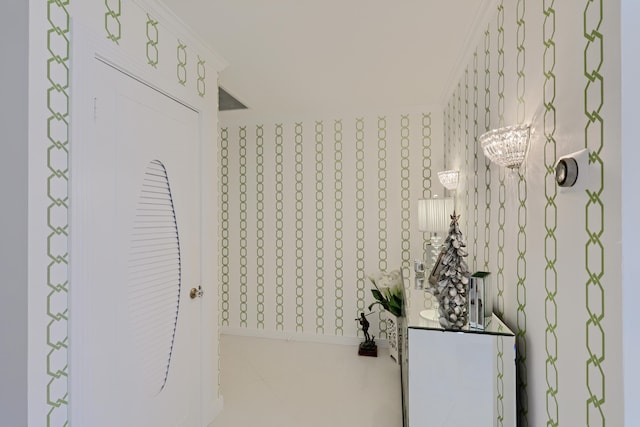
[142, 330]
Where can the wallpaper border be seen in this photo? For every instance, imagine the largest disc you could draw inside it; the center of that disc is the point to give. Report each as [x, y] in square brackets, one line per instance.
[58, 78]
[550, 216]
[521, 263]
[594, 214]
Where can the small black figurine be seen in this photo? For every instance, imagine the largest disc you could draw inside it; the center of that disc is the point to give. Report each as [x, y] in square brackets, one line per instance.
[368, 347]
[365, 327]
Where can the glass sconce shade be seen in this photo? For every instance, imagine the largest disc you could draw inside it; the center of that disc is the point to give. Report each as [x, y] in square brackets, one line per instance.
[449, 179]
[506, 146]
[434, 215]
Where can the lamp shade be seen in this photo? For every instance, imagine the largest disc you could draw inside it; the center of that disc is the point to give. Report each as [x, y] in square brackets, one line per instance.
[434, 215]
[506, 146]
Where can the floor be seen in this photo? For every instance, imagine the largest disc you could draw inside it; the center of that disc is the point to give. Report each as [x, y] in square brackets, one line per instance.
[279, 383]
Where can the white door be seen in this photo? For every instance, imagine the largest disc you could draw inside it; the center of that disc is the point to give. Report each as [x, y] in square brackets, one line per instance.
[138, 240]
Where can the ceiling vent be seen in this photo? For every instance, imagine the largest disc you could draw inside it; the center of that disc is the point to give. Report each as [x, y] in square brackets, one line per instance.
[227, 102]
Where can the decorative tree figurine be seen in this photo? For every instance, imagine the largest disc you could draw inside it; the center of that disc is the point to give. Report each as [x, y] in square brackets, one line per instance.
[453, 282]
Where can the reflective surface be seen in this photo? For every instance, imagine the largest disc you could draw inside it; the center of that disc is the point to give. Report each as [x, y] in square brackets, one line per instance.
[458, 378]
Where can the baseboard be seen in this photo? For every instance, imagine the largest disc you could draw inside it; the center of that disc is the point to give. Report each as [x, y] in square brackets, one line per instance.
[296, 336]
[212, 411]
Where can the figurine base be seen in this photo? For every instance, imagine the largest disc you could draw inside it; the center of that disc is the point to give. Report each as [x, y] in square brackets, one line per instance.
[368, 348]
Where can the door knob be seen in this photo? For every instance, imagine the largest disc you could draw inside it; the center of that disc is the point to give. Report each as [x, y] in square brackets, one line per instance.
[196, 292]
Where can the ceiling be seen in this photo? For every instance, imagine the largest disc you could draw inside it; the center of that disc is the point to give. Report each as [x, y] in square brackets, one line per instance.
[296, 56]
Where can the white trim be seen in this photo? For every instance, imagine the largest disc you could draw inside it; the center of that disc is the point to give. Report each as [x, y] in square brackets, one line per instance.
[630, 89]
[79, 130]
[234, 118]
[124, 61]
[300, 337]
[486, 11]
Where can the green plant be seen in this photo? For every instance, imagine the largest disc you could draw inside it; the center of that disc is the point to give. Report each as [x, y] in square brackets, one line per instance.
[387, 291]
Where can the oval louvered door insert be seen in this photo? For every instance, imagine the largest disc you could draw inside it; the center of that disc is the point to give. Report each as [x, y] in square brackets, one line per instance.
[154, 278]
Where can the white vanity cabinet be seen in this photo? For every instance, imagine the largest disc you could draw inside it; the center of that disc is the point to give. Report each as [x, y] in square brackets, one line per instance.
[458, 378]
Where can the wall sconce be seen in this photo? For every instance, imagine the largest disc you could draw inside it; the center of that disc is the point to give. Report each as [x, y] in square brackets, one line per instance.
[449, 179]
[506, 146]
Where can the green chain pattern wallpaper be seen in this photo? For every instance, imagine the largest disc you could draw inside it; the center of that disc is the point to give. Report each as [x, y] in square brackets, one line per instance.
[551, 216]
[360, 211]
[319, 285]
[260, 245]
[521, 264]
[595, 213]
[113, 31]
[405, 192]
[467, 143]
[487, 163]
[181, 67]
[500, 262]
[224, 227]
[501, 172]
[319, 178]
[382, 208]
[112, 24]
[338, 225]
[522, 77]
[242, 168]
[152, 41]
[476, 167]
[279, 229]
[202, 75]
[299, 158]
[447, 132]
[58, 47]
[427, 140]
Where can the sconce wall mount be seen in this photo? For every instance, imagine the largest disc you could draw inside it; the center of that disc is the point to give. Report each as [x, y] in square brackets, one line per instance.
[572, 171]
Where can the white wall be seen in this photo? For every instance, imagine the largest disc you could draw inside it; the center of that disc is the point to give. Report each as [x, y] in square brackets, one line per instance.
[349, 188]
[14, 41]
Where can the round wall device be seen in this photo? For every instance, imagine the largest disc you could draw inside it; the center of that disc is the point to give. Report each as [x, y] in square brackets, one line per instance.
[567, 172]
